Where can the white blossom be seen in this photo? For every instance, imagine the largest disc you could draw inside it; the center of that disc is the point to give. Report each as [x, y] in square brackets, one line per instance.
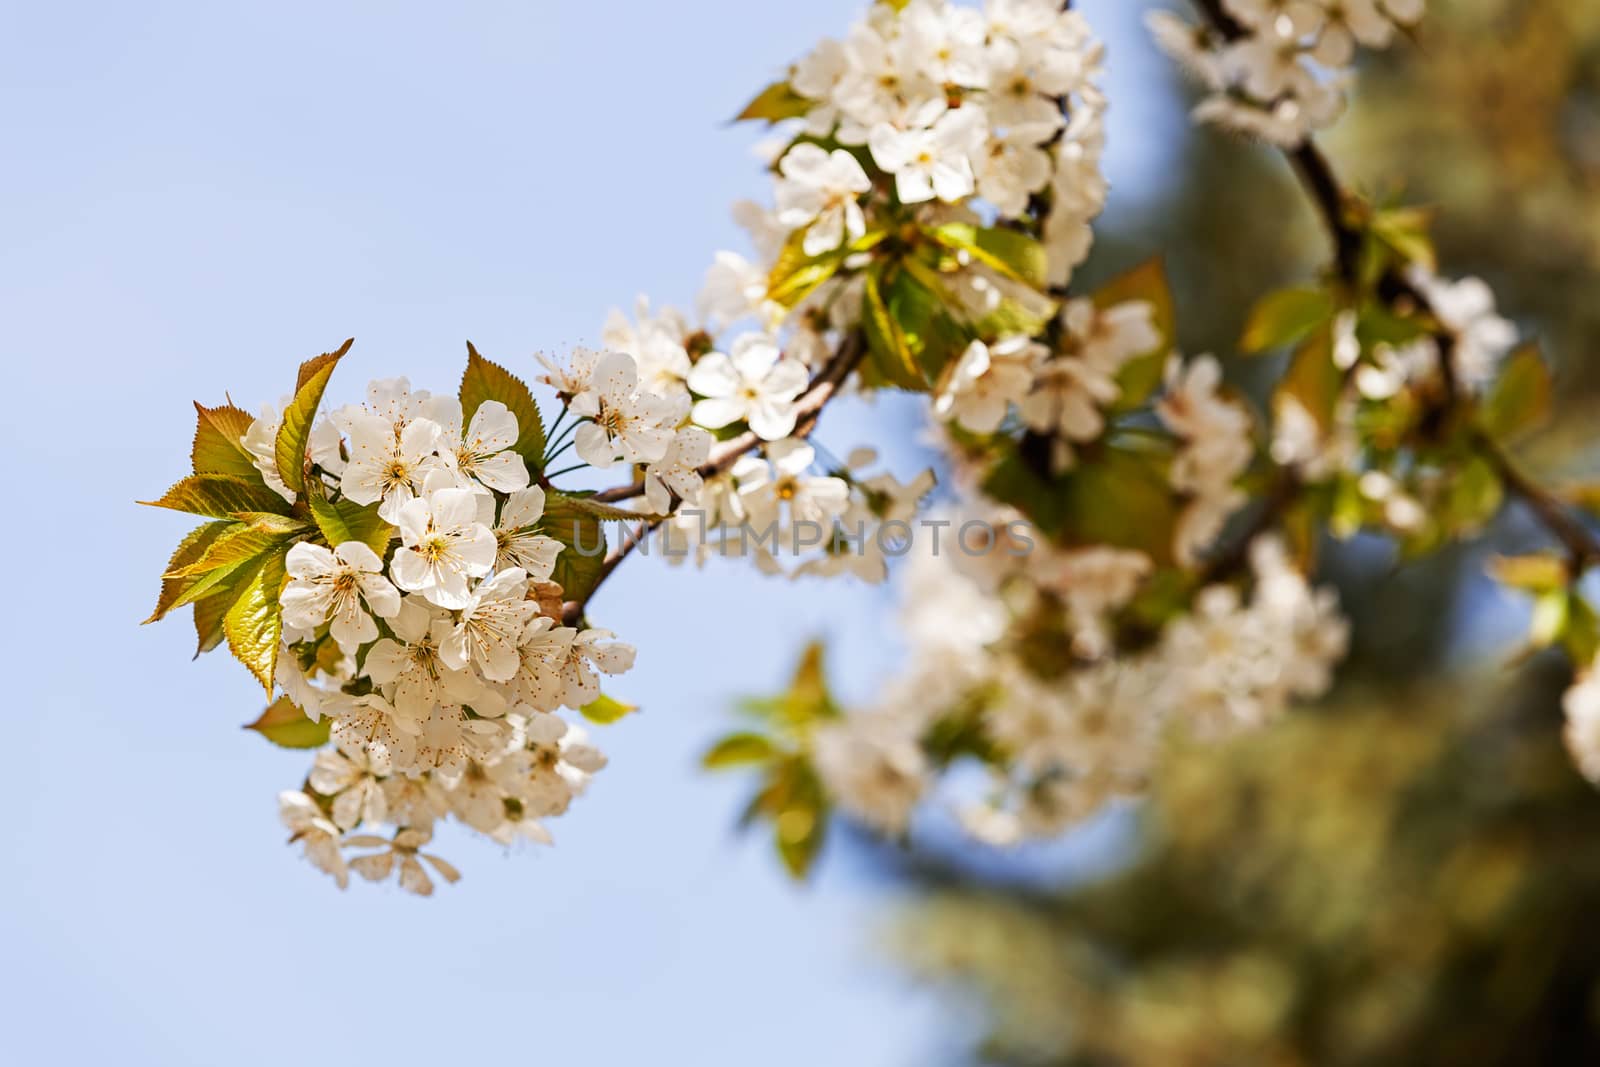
[483, 454]
[623, 423]
[935, 161]
[387, 466]
[410, 669]
[519, 540]
[443, 546]
[754, 384]
[490, 627]
[346, 584]
[678, 471]
[986, 380]
[316, 834]
[656, 343]
[820, 190]
[403, 852]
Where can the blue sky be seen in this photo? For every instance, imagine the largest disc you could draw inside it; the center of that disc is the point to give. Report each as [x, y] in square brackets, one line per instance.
[196, 197]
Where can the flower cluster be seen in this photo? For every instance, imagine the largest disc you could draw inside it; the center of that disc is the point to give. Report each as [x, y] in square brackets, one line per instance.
[403, 573]
[407, 578]
[952, 103]
[1276, 69]
[1060, 736]
[439, 668]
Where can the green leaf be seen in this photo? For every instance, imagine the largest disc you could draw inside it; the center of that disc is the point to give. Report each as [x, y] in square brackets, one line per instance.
[808, 699]
[1581, 638]
[1011, 252]
[1538, 573]
[1379, 325]
[1042, 501]
[1285, 318]
[919, 305]
[209, 613]
[218, 448]
[219, 496]
[272, 522]
[486, 380]
[1404, 231]
[189, 550]
[891, 355]
[774, 104]
[737, 750]
[800, 823]
[1313, 380]
[233, 576]
[285, 725]
[1141, 376]
[795, 275]
[1122, 497]
[295, 432]
[1521, 399]
[345, 520]
[1552, 611]
[1117, 494]
[1476, 495]
[583, 542]
[253, 625]
[605, 710]
[243, 543]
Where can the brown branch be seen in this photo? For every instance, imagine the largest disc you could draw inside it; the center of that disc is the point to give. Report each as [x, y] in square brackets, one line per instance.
[1583, 548]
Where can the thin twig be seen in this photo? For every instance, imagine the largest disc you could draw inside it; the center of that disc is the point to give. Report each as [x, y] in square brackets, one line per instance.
[808, 409]
[1583, 548]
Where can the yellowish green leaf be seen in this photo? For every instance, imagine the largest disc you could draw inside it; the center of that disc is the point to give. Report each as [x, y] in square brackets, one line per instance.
[241, 543]
[341, 521]
[1010, 252]
[1476, 495]
[1285, 318]
[738, 750]
[219, 496]
[301, 414]
[285, 725]
[189, 550]
[800, 821]
[254, 624]
[589, 506]
[1313, 380]
[891, 355]
[605, 710]
[1538, 573]
[1521, 399]
[209, 613]
[1404, 231]
[218, 448]
[774, 104]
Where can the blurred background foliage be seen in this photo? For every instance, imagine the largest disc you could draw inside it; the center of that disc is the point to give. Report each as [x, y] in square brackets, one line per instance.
[1409, 874]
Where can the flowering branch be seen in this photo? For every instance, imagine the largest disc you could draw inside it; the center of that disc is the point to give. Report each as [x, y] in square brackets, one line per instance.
[409, 582]
[1324, 189]
[808, 408]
